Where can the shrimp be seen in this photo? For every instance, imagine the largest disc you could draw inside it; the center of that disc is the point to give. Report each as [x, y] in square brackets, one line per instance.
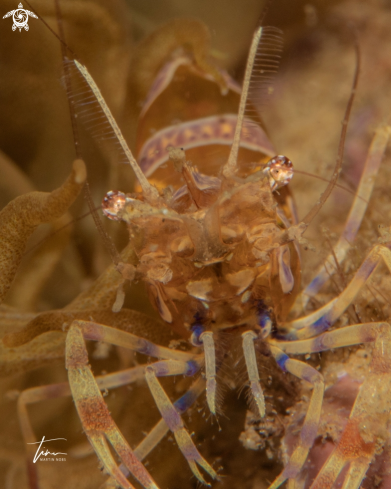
[216, 245]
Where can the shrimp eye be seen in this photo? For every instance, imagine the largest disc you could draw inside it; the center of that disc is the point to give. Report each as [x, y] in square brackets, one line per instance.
[279, 170]
[112, 203]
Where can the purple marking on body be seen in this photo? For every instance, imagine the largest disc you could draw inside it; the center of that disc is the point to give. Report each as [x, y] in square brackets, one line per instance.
[287, 280]
[146, 347]
[192, 134]
[308, 434]
[162, 80]
[281, 360]
[291, 471]
[309, 374]
[160, 369]
[319, 344]
[315, 285]
[190, 452]
[184, 402]
[93, 332]
[172, 418]
[192, 368]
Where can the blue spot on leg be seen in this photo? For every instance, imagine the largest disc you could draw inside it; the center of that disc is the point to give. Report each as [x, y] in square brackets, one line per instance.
[263, 319]
[184, 402]
[197, 330]
[321, 325]
[281, 360]
[147, 348]
[192, 368]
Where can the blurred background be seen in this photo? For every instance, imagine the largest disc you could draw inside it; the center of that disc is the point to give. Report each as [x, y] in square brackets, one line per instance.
[303, 118]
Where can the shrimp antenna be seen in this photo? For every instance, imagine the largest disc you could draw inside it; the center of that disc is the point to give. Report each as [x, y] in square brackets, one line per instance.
[149, 191]
[34, 10]
[341, 147]
[262, 63]
[108, 243]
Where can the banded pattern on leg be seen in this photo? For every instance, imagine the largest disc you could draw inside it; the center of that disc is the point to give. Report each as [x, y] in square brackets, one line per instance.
[346, 336]
[311, 420]
[100, 332]
[366, 429]
[356, 214]
[54, 391]
[175, 423]
[95, 417]
[334, 310]
[159, 431]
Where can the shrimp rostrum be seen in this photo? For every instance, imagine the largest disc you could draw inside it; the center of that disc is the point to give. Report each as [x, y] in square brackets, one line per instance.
[218, 250]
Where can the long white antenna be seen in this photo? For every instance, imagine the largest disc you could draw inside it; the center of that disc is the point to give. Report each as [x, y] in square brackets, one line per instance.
[230, 166]
[262, 63]
[149, 191]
